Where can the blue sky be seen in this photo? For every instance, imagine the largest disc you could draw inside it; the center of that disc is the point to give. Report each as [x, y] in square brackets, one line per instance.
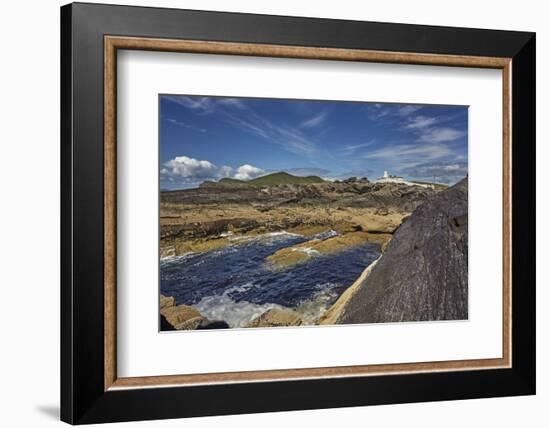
[208, 138]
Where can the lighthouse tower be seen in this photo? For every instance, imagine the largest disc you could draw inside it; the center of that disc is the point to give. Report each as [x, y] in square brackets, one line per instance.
[386, 175]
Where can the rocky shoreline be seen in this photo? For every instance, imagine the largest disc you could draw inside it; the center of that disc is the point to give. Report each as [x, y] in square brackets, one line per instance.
[214, 216]
[406, 221]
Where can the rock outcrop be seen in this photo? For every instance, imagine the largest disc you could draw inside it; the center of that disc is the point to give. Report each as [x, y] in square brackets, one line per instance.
[184, 317]
[423, 275]
[276, 318]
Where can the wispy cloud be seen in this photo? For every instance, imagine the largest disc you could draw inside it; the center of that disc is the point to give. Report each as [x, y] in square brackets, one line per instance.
[407, 110]
[235, 112]
[407, 150]
[353, 148]
[440, 135]
[420, 122]
[391, 112]
[184, 124]
[232, 102]
[443, 171]
[204, 104]
[314, 121]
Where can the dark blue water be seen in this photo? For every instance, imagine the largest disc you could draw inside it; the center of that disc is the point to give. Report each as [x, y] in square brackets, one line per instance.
[235, 284]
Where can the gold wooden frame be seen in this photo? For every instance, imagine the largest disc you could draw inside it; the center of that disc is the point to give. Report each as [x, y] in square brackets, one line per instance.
[113, 43]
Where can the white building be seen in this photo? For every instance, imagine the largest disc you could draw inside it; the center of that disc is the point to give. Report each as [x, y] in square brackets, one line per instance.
[388, 178]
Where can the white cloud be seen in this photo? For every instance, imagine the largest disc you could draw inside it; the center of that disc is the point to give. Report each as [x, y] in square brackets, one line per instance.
[248, 172]
[183, 166]
[183, 171]
[314, 121]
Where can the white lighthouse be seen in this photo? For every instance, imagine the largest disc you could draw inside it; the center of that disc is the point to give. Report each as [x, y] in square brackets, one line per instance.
[388, 178]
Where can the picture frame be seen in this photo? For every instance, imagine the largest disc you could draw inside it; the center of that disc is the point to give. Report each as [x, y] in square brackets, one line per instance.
[91, 35]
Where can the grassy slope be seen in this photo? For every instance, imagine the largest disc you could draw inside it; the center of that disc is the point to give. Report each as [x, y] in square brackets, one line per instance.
[275, 179]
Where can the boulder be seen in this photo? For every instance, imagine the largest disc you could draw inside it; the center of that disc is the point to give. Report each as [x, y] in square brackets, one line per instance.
[191, 324]
[166, 301]
[276, 318]
[177, 315]
[184, 317]
[423, 275]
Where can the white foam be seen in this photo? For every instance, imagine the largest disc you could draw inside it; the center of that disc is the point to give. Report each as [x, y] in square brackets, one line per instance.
[311, 310]
[236, 314]
[239, 314]
[173, 259]
[281, 233]
[309, 251]
[325, 235]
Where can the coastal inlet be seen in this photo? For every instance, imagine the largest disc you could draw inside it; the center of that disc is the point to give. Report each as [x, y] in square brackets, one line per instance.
[279, 250]
[236, 284]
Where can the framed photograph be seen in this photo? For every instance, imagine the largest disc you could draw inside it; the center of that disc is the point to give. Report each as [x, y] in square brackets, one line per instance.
[266, 213]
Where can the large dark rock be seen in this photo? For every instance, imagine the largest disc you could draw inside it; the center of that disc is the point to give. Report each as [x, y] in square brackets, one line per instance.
[423, 275]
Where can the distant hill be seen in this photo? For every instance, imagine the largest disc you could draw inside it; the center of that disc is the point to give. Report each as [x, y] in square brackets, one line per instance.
[284, 178]
[274, 179]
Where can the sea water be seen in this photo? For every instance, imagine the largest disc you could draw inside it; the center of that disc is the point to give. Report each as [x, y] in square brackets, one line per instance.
[235, 284]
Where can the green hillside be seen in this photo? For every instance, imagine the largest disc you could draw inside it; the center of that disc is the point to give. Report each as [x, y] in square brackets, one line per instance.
[274, 179]
[284, 178]
[231, 181]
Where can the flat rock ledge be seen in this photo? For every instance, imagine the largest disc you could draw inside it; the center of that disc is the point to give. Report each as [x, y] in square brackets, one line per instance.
[184, 317]
[276, 318]
[300, 253]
